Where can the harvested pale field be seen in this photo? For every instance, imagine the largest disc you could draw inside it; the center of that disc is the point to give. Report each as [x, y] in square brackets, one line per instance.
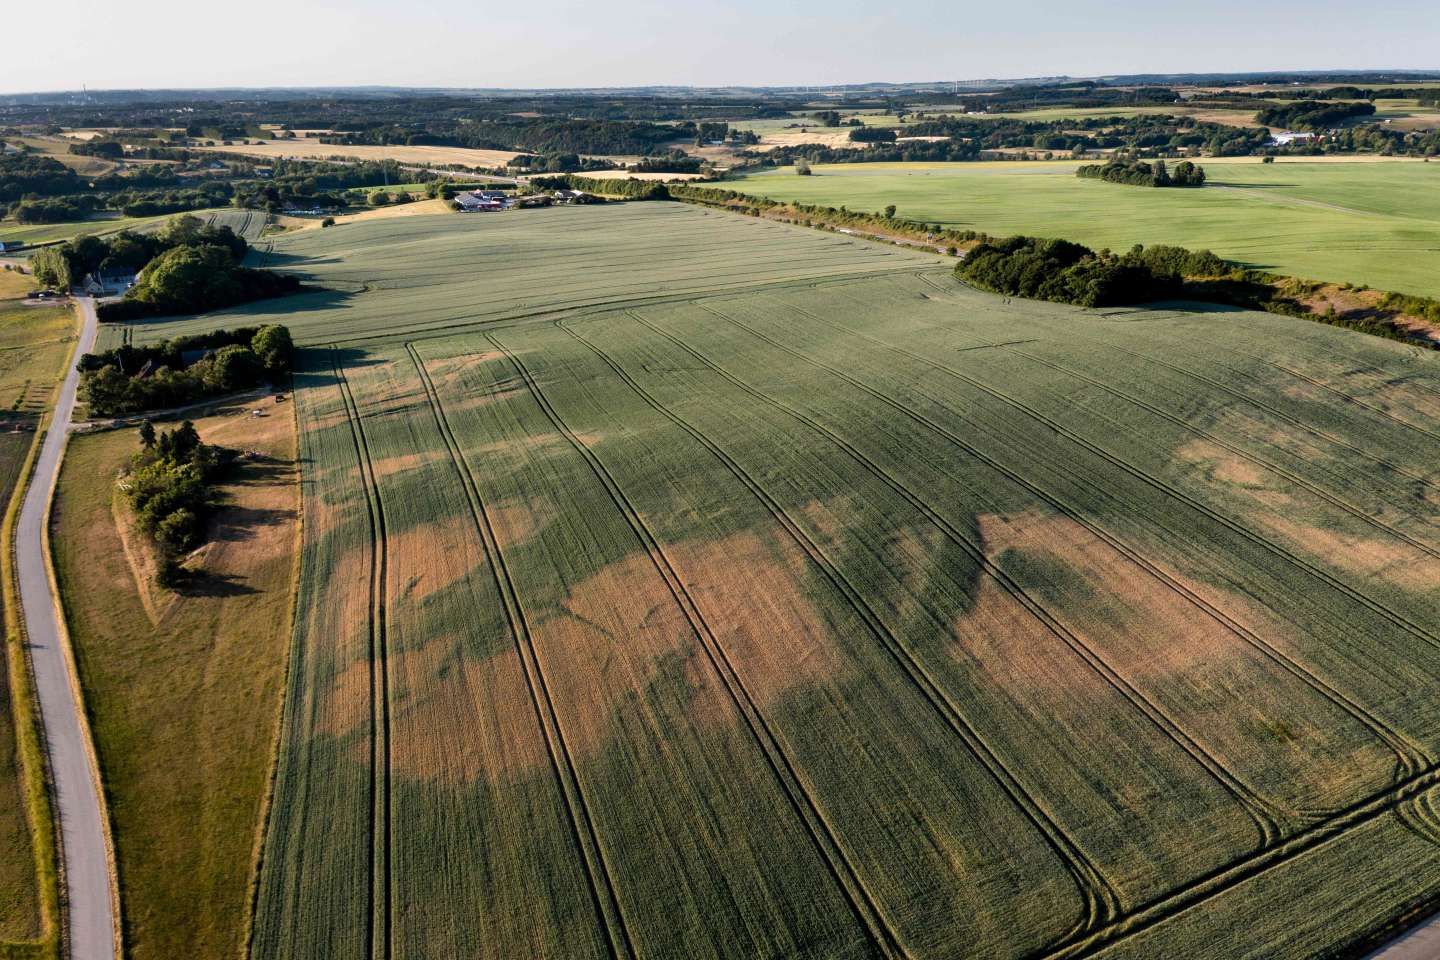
[641, 175]
[421, 155]
[678, 584]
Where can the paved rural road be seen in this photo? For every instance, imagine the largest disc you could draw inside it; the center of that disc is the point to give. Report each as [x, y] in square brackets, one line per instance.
[82, 828]
[1421, 943]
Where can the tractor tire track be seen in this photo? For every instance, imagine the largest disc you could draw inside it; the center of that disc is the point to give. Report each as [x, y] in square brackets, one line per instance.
[806, 808]
[582, 825]
[1100, 899]
[1266, 815]
[380, 849]
[1411, 757]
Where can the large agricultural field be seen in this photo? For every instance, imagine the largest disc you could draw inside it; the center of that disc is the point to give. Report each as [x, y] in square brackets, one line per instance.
[1374, 223]
[679, 584]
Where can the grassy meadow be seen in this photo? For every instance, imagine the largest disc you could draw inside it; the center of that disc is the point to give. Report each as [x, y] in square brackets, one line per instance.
[1373, 223]
[680, 584]
[182, 688]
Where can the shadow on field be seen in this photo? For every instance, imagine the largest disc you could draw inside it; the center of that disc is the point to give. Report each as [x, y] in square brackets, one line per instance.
[206, 584]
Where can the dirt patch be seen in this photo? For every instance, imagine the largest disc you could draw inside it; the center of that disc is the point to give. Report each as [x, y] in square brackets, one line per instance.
[513, 523]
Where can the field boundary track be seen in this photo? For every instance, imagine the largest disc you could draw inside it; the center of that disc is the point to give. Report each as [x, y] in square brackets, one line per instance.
[805, 806]
[1100, 899]
[1410, 755]
[379, 888]
[1265, 815]
[597, 870]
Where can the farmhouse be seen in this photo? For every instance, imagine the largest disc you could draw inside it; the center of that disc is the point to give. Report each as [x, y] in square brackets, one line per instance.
[103, 283]
[1286, 136]
[483, 200]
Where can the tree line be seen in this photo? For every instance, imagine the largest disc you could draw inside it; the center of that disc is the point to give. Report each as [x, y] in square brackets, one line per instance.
[1139, 173]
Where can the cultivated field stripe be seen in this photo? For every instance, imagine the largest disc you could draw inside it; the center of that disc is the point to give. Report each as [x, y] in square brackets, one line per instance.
[1101, 899]
[1410, 755]
[380, 848]
[1266, 815]
[602, 889]
[805, 807]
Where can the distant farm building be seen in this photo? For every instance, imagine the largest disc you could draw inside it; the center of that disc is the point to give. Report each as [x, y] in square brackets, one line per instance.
[481, 200]
[1285, 137]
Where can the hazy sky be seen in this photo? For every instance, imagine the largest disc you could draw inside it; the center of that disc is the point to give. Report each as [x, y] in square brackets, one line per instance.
[61, 44]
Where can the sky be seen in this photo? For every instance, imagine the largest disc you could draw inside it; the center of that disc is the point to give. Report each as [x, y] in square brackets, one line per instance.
[570, 43]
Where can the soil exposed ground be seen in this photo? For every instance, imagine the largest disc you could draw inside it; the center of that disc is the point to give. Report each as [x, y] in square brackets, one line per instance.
[678, 584]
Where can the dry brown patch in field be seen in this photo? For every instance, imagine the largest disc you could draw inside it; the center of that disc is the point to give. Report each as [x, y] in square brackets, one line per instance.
[752, 592]
[1251, 714]
[402, 463]
[513, 523]
[427, 556]
[458, 720]
[1378, 557]
[1098, 577]
[610, 639]
[1220, 464]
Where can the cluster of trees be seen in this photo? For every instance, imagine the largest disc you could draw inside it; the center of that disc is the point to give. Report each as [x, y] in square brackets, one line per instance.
[61, 267]
[968, 138]
[25, 175]
[1066, 272]
[132, 379]
[1142, 174]
[1313, 116]
[105, 149]
[195, 279]
[873, 135]
[543, 135]
[170, 488]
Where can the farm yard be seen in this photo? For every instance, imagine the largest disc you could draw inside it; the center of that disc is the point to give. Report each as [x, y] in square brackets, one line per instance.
[1367, 221]
[680, 584]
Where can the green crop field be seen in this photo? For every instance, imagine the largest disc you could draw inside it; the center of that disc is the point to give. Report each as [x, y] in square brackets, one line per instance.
[679, 584]
[245, 222]
[1375, 223]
